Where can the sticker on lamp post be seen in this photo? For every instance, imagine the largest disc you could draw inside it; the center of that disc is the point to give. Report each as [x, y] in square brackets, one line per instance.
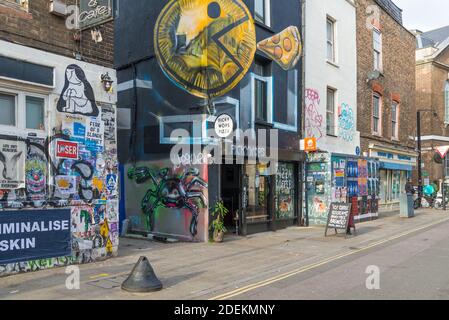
[224, 126]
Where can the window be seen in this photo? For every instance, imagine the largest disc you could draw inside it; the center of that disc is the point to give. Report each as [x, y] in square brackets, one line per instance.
[330, 112]
[446, 102]
[7, 110]
[262, 10]
[376, 114]
[262, 91]
[395, 121]
[377, 45]
[19, 4]
[22, 111]
[331, 40]
[35, 113]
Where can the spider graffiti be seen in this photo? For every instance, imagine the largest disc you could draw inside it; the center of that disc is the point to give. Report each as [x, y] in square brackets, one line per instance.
[172, 191]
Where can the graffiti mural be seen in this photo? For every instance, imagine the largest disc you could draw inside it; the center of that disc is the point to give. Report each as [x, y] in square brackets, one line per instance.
[171, 190]
[77, 96]
[205, 46]
[284, 48]
[346, 122]
[314, 120]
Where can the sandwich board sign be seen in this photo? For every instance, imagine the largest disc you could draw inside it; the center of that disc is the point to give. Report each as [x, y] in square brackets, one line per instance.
[339, 217]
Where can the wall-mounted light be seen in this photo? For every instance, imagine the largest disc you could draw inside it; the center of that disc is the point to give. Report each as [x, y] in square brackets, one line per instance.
[107, 82]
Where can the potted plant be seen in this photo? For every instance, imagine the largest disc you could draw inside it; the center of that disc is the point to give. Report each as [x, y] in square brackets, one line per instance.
[219, 212]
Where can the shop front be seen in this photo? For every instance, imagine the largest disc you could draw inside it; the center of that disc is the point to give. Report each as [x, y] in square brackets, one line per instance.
[396, 166]
[341, 178]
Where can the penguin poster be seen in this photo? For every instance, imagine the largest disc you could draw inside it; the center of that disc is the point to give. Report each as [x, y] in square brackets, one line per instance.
[77, 96]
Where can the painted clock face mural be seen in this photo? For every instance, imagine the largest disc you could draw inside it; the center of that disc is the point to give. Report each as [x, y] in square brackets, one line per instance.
[205, 46]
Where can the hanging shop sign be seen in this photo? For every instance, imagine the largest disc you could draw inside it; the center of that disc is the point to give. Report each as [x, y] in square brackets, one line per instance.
[94, 12]
[67, 149]
[34, 234]
[442, 151]
[338, 219]
[309, 145]
[224, 126]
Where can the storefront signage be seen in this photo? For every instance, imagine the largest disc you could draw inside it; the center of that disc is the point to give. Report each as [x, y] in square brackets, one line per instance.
[309, 145]
[34, 234]
[67, 150]
[339, 214]
[94, 12]
[224, 126]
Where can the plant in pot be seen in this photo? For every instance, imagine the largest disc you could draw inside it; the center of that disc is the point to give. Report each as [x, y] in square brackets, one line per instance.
[219, 212]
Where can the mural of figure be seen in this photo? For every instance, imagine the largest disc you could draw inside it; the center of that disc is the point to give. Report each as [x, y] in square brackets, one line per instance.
[77, 96]
[314, 120]
[171, 191]
[346, 122]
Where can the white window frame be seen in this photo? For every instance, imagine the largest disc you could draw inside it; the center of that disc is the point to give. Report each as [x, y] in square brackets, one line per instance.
[395, 121]
[375, 52]
[379, 132]
[334, 132]
[16, 4]
[20, 126]
[267, 13]
[333, 23]
[269, 82]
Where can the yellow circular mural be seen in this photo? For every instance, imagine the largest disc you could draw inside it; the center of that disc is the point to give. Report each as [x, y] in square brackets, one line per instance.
[205, 46]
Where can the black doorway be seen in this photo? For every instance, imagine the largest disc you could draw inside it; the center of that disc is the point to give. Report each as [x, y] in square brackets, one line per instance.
[230, 193]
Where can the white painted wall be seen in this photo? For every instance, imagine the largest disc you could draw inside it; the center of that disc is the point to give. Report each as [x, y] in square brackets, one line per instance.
[319, 74]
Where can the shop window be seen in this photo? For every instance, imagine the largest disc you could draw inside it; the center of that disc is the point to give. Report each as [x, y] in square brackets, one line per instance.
[446, 102]
[395, 121]
[285, 191]
[256, 193]
[8, 110]
[262, 11]
[22, 111]
[376, 119]
[330, 112]
[377, 46]
[330, 30]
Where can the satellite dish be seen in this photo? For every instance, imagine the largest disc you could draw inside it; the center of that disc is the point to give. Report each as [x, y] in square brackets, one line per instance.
[373, 75]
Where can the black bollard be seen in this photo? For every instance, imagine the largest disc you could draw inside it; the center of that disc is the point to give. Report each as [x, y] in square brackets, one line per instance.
[142, 278]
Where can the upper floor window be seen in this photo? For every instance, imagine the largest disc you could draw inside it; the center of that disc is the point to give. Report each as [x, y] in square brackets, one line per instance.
[262, 11]
[377, 46]
[262, 90]
[330, 38]
[19, 4]
[395, 120]
[446, 101]
[330, 112]
[377, 121]
[22, 111]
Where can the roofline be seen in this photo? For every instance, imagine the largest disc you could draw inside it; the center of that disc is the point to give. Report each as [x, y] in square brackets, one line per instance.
[401, 24]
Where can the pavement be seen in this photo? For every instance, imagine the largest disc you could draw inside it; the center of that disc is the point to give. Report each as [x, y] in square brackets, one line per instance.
[295, 263]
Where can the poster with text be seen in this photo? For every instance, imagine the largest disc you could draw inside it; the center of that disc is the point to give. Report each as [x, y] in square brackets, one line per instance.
[12, 164]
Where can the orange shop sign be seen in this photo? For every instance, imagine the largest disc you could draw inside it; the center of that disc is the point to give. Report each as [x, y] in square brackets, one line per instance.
[309, 145]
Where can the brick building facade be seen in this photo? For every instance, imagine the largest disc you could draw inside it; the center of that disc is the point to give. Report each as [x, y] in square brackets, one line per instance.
[386, 94]
[432, 93]
[58, 153]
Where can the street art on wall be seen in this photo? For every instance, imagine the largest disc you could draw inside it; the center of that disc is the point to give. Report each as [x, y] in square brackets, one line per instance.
[77, 96]
[12, 164]
[284, 48]
[183, 189]
[84, 182]
[314, 121]
[205, 46]
[346, 122]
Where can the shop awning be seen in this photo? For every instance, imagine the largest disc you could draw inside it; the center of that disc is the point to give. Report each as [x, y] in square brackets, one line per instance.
[395, 166]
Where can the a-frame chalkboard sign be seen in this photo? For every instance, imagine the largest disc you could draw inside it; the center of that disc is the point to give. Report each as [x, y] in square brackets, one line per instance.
[339, 217]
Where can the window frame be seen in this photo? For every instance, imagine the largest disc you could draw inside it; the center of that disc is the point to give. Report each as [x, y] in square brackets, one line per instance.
[446, 102]
[266, 13]
[379, 117]
[334, 133]
[21, 108]
[19, 5]
[377, 53]
[395, 121]
[333, 41]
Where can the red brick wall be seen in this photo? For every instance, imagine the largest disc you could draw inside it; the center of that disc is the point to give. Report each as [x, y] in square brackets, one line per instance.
[40, 29]
[397, 80]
